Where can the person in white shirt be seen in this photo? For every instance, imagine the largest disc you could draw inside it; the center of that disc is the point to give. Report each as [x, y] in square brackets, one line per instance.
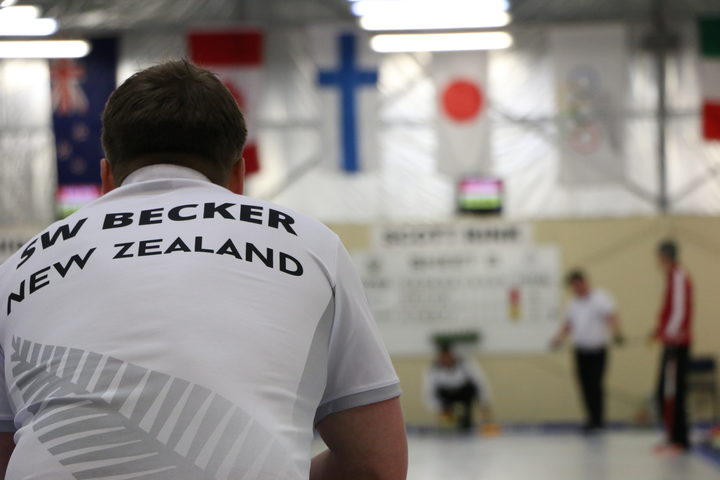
[452, 383]
[175, 329]
[591, 319]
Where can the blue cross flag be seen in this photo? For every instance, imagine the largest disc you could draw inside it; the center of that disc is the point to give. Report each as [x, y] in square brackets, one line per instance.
[348, 79]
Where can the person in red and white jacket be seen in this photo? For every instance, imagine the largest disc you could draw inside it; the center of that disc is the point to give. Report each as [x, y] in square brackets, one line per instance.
[674, 330]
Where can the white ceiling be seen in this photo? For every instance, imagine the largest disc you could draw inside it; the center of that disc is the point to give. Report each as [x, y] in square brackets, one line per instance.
[113, 15]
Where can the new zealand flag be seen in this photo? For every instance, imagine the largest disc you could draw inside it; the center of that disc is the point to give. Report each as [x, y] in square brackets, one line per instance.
[80, 88]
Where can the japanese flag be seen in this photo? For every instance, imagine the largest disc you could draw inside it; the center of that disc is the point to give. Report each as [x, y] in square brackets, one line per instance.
[236, 56]
[463, 132]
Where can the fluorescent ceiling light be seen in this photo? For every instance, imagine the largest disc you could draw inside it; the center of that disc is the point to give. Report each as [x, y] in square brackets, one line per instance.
[21, 12]
[7, 3]
[440, 42]
[433, 20]
[399, 8]
[44, 49]
[36, 27]
[23, 20]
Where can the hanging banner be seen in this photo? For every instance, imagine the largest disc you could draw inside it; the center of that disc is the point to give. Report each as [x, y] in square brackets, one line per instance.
[236, 56]
[590, 81]
[456, 234]
[463, 132]
[347, 78]
[80, 88]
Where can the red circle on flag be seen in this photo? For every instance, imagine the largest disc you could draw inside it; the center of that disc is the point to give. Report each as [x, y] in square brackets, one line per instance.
[463, 100]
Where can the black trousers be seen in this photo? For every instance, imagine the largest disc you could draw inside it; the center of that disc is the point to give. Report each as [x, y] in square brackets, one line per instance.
[464, 396]
[590, 370]
[672, 393]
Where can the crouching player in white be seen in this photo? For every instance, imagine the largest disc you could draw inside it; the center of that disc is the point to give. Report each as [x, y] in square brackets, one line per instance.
[453, 386]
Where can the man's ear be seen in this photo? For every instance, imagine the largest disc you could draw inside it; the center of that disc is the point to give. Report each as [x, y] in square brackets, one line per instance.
[106, 176]
[236, 184]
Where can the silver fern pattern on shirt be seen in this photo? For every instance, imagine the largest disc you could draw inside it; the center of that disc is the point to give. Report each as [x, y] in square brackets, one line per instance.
[102, 417]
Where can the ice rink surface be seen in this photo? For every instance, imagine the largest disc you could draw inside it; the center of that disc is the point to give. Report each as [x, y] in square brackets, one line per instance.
[538, 455]
[615, 455]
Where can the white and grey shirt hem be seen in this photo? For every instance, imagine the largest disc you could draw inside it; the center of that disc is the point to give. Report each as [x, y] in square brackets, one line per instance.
[357, 400]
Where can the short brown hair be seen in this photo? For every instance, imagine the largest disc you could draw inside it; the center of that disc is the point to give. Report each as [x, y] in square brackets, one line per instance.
[574, 275]
[174, 112]
[669, 249]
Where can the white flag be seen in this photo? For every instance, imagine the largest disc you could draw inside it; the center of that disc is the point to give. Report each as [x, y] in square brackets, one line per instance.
[463, 131]
[591, 81]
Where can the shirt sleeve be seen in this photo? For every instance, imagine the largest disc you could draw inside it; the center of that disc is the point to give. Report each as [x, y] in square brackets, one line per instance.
[570, 317]
[359, 368]
[607, 303]
[7, 422]
[678, 302]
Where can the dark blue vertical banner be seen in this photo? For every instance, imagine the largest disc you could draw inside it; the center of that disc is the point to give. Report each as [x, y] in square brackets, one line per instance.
[80, 88]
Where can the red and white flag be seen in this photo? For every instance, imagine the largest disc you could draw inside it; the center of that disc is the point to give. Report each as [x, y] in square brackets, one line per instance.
[236, 57]
[709, 29]
[463, 132]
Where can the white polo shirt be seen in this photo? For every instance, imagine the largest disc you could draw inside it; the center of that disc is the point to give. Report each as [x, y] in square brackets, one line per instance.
[588, 317]
[175, 330]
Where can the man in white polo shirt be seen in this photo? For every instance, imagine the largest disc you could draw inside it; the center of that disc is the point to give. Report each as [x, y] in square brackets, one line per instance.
[590, 320]
[175, 329]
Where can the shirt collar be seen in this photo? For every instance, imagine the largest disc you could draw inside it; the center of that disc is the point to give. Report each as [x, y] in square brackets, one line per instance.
[163, 171]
